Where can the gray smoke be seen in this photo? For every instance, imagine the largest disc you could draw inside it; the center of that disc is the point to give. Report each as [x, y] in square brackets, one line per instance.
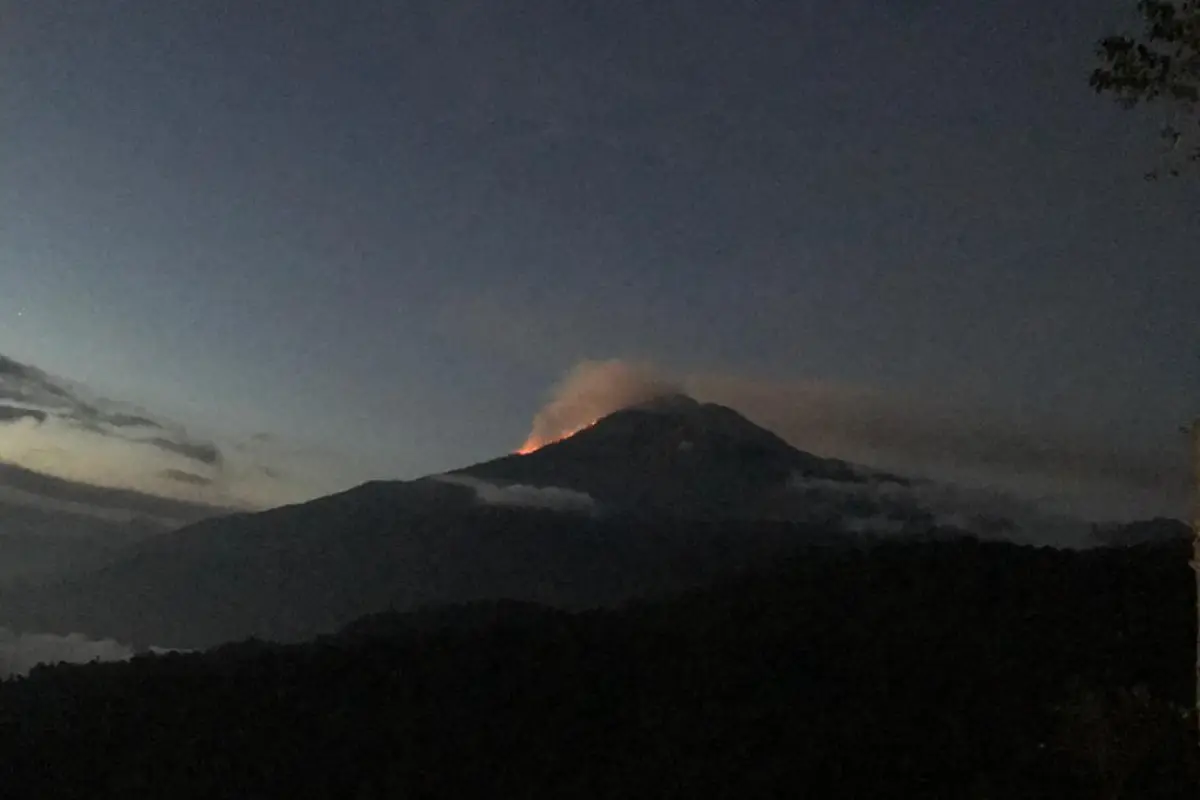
[594, 389]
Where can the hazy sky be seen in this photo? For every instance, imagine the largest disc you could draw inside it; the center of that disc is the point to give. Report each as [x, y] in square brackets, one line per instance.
[368, 236]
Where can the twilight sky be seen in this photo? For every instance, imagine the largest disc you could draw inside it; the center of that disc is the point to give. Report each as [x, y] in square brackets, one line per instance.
[344, 240]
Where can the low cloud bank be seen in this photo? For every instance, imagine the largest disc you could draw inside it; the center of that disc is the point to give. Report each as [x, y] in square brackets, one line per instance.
[890, 508]
[19, 653]
[549, 497]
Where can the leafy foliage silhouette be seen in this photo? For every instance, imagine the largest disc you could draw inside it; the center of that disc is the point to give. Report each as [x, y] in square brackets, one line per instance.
[1159, 65]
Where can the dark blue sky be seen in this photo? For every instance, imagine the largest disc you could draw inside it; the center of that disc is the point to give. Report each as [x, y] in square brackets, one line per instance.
[380, 231]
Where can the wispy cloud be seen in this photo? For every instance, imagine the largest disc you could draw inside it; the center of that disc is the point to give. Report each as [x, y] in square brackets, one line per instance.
[53, 426]
[120, 420]
[27, 487]
[203, 452]
[43, 396]
[14, 413]
[554, 498]
[189, 478]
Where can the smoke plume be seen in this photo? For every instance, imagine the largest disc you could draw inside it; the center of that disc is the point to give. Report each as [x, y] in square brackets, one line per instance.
[594, 389]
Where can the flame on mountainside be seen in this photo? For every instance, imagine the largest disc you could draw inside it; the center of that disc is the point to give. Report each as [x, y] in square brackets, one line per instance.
[590, 391]
[535, 442]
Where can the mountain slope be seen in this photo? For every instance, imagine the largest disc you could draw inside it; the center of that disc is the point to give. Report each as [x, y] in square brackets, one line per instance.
[685, 492]
[293, 573]
[37, 544]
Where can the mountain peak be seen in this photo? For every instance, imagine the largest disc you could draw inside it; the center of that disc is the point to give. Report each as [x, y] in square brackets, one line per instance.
[676, 403]
[670, 455]
[678, 419]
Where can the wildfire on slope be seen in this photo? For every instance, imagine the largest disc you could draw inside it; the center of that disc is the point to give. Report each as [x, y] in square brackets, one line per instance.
[536, 442]
[590, 391]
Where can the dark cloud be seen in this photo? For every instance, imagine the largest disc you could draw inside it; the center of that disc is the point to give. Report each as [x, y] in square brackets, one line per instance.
[103, 497]
[131, 421]
[15, 414]
[88, 415]
[190, 478]
[78, 428]
[274, 473]
[15, 369]
[203, 452]
[26, 384]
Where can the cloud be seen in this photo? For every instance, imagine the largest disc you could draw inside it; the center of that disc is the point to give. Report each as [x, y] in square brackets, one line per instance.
[186, 477]
[14, 369]
[16, 414]
[26, 384]
[32, 488]
[1086, 471]
[132, 421]
[95, 444]
[56, 427]
[204, 452]
[55, 397]
[889, 506]
[19, 653]
[548, 497]
[163, 651]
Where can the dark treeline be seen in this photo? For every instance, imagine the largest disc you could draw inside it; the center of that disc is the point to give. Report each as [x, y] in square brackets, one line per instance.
[952, 669]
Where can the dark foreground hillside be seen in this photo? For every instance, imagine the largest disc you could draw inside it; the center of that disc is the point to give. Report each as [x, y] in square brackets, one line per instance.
[941, 669]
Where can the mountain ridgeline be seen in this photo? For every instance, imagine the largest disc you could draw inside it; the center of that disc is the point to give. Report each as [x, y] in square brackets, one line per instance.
[944, 669]
[669, 495]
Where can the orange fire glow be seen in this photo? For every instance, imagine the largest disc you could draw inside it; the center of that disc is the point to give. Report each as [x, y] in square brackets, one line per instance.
[536, 442]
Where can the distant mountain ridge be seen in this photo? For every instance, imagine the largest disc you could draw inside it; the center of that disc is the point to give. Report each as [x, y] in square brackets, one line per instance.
[960, 669]
[37, 544]
[679, 493]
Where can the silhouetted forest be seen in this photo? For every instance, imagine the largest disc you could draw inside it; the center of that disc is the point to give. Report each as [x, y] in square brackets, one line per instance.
[955, 669]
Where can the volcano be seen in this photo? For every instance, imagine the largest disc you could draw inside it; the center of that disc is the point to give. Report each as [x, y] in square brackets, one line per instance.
[670, 456]
[663, 496]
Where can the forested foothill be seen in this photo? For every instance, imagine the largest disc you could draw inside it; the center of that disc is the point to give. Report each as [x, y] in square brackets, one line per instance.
[954, 668]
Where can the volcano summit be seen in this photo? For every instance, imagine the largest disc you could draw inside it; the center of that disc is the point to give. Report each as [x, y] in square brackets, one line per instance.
[671, 456]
